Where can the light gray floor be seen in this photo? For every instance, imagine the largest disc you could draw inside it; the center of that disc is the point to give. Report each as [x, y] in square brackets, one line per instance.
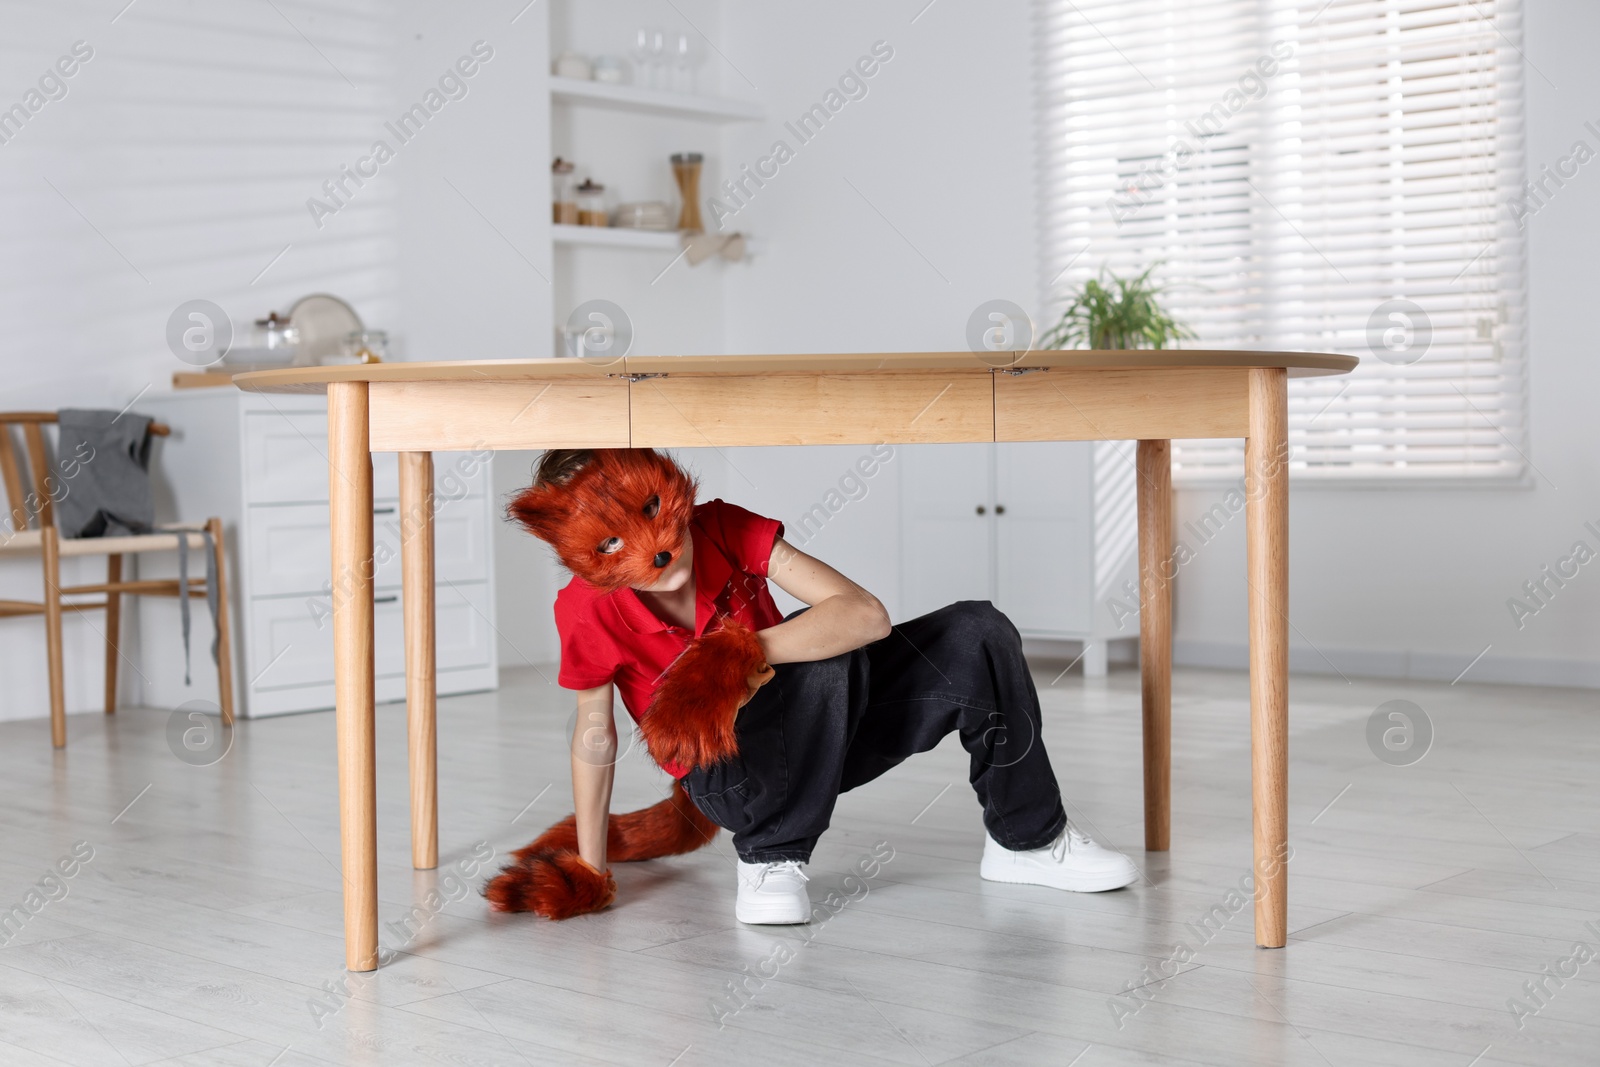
[206, 927]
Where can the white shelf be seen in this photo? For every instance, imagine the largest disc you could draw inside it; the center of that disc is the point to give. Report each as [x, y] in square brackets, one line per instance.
[622, 237]
[652, 101]
[615, 237]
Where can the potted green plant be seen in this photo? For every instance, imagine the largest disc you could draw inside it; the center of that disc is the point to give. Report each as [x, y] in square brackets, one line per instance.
[1116, 313]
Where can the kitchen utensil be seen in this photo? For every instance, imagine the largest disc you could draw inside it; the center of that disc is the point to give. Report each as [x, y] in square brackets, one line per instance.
[322, 322]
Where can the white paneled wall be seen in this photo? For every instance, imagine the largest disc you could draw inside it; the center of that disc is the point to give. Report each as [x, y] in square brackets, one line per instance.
[178, 166]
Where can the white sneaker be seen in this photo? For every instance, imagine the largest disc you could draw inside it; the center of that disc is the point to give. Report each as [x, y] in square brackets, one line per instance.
[772, 893]
[1074, 861]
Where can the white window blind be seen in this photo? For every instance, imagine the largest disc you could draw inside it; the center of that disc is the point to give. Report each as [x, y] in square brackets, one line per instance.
[1310, 177]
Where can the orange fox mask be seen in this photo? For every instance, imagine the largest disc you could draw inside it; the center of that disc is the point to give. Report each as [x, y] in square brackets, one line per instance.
[618, 521]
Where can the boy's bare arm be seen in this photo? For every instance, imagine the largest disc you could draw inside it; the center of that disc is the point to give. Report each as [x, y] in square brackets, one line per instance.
[843, 615]
[594, 758]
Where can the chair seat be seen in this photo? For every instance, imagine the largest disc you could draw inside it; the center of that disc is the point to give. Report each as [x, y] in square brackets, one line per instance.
[160, 541]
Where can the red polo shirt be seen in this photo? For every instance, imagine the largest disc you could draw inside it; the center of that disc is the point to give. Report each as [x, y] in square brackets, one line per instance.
[614, 637]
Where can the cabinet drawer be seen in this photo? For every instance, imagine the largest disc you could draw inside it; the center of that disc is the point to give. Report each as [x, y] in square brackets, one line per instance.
[291, 641]
[289, 549]
[460, 540]
[463, 636]
[286, 462]
[288, 648]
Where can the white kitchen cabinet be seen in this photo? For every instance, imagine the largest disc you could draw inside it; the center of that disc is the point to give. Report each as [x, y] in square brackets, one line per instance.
[259, 462]
[948, 544]
[1047, 531]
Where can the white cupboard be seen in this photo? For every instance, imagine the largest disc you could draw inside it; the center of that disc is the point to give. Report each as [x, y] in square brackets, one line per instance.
[1046, 530]
[258, 462]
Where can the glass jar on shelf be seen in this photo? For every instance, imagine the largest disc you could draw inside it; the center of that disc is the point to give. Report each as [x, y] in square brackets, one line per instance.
[686, 170]
[565, 208]
[273, 340]
[365, 346]
[592, 204]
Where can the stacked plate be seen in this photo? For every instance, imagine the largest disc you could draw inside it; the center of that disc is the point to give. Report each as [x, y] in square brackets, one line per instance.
[645, 215]
[322, 323]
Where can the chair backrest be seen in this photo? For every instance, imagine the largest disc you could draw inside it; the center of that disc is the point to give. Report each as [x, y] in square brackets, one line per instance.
[30, 503]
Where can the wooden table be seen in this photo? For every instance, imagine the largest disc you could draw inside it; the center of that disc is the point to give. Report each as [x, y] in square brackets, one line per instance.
[900, 398]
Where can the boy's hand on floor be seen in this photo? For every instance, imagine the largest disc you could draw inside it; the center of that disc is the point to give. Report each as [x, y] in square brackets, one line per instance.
[690, 719]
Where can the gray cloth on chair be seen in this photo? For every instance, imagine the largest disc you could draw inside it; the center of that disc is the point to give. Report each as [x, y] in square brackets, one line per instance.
[211, 594]
[109, 496]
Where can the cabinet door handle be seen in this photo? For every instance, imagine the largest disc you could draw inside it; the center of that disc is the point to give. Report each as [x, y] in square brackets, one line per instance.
[999, 509]
[383, 511]
[390, 599]
[982, 510]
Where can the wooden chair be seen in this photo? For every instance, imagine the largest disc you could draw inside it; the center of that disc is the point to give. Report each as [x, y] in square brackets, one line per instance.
[33, 523]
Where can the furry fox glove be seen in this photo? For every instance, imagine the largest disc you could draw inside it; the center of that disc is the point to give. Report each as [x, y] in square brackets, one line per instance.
[690, 719]
[555, 884]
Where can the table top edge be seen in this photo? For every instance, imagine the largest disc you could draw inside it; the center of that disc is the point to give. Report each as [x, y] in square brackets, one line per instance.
[316, 379]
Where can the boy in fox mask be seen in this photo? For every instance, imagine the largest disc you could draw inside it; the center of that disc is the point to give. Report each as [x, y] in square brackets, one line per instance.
[763, 721]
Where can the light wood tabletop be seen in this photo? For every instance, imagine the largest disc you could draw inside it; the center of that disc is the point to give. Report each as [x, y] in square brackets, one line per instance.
[1150, 397]
[316, 379]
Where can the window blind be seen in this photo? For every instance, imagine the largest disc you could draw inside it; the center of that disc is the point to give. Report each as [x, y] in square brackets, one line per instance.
[1332, 178]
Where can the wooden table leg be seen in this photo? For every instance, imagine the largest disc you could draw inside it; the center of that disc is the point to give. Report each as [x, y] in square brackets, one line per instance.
[1155, 637]
[1266, 458]
[350, 518]
[416, 567]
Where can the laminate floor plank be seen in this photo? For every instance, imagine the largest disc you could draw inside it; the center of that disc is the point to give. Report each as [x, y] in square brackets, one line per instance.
[206, 930]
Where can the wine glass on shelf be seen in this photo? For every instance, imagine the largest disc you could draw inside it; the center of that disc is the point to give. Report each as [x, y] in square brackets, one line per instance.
[683, 64]
[641, 57]
[658, 59]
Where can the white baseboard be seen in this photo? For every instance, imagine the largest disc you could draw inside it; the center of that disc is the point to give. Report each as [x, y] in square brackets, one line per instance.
[1415, 666]
[1121, 651]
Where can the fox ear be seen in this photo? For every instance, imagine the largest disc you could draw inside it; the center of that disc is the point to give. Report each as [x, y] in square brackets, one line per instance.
[537, 509]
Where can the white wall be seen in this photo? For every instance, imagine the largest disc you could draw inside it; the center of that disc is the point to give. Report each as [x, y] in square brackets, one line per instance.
[1396, 583]
[176, 167]
[914, 204]
[474, 216]
[474, 243]
[184, 153]
[1414, 583]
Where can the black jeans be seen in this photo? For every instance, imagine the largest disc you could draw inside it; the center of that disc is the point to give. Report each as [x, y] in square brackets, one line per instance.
[822, 728]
